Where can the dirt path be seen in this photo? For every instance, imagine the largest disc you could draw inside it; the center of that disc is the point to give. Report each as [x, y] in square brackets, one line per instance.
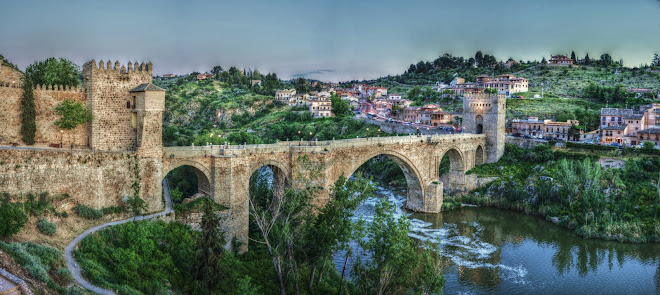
[74, 267]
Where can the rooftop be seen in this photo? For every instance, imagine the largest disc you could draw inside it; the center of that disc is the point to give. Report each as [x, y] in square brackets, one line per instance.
[615, 112]
[147, 87]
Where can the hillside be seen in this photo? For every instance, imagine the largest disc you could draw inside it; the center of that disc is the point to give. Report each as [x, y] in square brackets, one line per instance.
[196, 110]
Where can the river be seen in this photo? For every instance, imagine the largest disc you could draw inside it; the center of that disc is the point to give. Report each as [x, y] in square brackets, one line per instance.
[495, 251]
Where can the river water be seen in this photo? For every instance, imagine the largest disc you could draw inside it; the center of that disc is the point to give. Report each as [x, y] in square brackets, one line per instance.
[494, 251]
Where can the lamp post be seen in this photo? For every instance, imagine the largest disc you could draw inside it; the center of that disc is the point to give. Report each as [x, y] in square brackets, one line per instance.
[378, 132]
[299, 138]
[61, 135]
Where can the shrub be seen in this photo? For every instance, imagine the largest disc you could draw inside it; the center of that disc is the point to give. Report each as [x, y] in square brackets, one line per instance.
[28, 113]
[46, 227]
[88, 212]
[12, 218]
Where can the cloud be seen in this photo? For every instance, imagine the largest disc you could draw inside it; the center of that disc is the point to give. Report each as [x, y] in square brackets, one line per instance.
[308, 74]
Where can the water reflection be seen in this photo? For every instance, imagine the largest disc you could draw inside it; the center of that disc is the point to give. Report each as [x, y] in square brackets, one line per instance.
[489, 250]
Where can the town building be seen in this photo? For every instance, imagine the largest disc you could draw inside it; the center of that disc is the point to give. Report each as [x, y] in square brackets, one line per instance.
[430, 115]
[547, 129]
[394, 96]
[506, 84]
[629, 126]
[320, 107]
[560, 60]
[204, 76]
[284, 95]
[168, 76]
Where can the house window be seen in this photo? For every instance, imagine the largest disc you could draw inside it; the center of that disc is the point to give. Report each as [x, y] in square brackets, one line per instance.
[128, 104]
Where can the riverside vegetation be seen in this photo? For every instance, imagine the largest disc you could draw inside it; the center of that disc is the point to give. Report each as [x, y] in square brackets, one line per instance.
[571, 189]
[291, 250]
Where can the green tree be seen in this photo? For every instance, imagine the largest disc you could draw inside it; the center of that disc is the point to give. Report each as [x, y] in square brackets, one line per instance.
[587, 60]
[648, 146]
[414, 93]
[12, 218]
[490, 90]
[656, 60]
[301, 85]
[340, 107]
[573, 57]
[210, 249]
[28, 112]
[54, 71]
[393, 256]
[479, 58]
[72, 114]
[332, 228]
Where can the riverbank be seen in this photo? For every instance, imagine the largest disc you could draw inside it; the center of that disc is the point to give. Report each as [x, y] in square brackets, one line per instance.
[576, 191]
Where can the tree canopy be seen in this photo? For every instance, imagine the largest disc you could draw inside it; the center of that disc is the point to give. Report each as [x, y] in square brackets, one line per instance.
[54, 71]
[72, 114]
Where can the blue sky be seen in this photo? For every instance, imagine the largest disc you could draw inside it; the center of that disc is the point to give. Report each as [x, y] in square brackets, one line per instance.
[329, 40]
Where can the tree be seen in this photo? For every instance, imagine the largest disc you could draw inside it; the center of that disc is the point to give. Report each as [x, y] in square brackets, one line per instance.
[490, 90]
[54, 71]
[573, 57]
[656, 60]
[12, 218]
[210, 249]
[394, 257]
[72, 114]
[28, 112]
[340, 107]
[479, 58]
[544, 61]
[606, 60]
[301, 85]
[414, 93]
[332, 228]
[216, 71]
[587, 60]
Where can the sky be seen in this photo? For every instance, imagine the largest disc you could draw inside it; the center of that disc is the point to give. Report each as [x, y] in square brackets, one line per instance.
[330, 40]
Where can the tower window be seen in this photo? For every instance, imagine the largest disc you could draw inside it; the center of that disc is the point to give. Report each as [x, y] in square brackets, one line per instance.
[128, 104]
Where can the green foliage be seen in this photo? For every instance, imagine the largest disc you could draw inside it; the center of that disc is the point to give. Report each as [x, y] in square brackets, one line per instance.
[148, 257]
[28, 112]
[490, 91]
[210, 245]
[393, 257]
[88, 212]
[6, 63]
[648, 145]
[136, 205]
[340, 107]
[54, 71]
[46, 227]
[72, 114]
[42, 262]
[571, 185]
[12, 218]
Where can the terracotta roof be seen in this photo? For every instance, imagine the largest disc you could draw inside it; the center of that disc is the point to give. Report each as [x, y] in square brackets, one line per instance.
[649, 131]
[146, 87]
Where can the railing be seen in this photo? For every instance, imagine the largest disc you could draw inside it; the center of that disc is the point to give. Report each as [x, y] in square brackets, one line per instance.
[311, 146]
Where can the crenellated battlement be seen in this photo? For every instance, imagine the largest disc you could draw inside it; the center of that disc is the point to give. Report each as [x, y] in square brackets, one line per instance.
[121, 69]
[483, 96]
[59, 88]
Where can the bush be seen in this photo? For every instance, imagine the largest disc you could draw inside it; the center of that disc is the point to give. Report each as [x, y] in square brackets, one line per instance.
[12, 218]
[46, 227]
[88, 212]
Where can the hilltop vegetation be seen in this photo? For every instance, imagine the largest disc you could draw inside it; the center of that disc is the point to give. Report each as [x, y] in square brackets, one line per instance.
[587, 87]
[198, 111]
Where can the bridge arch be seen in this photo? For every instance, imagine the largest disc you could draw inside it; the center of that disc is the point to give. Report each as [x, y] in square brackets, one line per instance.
[453, 179]
[203, 175]
[415, 199]
[479, 156]
[281, 175]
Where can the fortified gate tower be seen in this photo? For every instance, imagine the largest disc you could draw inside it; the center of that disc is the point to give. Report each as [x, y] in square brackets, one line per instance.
[485, 113]
[127, 116]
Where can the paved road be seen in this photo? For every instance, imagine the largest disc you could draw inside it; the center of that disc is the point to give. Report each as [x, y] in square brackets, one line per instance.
[68, 251]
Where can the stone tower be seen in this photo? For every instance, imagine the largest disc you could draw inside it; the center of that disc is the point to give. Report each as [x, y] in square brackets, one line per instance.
[485, 113]
[113, 105]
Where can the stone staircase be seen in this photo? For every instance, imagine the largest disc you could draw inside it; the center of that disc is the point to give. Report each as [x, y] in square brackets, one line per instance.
[12, 285]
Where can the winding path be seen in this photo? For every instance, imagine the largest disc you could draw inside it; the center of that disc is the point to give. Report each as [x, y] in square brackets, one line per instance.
[74, 267]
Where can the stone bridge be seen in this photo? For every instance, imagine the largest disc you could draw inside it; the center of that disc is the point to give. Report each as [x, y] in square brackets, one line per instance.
[224, 172]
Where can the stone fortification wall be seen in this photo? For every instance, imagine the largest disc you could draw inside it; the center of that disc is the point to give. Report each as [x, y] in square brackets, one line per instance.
[9, 75]
[114, 125]
[526, 143]
[10, 114]
[404, 129]
[96, 179]
[46, 99]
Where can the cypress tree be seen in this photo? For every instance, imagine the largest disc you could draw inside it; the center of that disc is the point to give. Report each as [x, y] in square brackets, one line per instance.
[28, 113]
[210, 249]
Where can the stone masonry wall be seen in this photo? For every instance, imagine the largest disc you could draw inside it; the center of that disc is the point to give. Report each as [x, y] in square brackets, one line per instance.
[108, 89]
[9, 75]
[46, 99]
[96, 179]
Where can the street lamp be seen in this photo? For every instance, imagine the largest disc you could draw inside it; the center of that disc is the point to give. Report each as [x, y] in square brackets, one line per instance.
[61, 135]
